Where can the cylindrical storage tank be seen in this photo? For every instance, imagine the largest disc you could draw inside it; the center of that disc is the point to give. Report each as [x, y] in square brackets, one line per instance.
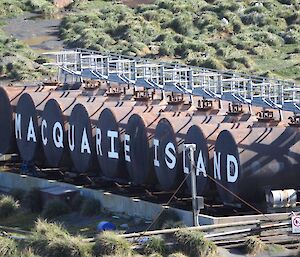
[82, 131]
[139, 133]
[204, 137]
[111, 140]
[54, 129]
[201, 155]
[81, 139]
[9, 97]
[27, 125]
[249, 162]
[169, 145]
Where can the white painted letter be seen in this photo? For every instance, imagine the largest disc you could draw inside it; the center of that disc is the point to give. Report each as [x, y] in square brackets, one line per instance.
[43, 127]
[85, 146]
[200, 165]
[156, 144]
[31, 132]
[71, 137]
[127, 148]
[98, 142]
[58, 137]
[232, 169]
[186, 170]
[172, 162]
[18, 126]
[112, 154]
[217, 166]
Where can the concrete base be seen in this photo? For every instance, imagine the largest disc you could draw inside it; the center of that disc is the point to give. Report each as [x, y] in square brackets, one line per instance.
[111, 202]
[210, 220]
[126, 205]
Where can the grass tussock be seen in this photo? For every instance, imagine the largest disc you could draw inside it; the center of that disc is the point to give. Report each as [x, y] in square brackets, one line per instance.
[55, 208]
[90, 207]
[8, 206]
[155, 244]
[18, 194]
[52, 240]
[110, 243]
[254, 245]
[8, 247]
[168, 219]
[33, 200]
[194, 244]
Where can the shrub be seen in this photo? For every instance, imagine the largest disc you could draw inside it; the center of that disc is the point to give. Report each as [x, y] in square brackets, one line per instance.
[166, 216]
[267, 38]
[237, 27]
[253, 245]
[109, 243]
[33, 200]
[255, 18]
[42, 6]
[210, 63]
[194, 244]
[8, 206]
[55, 208]
[17, 194]
[182, 24]
[77, 202]
[156, 244]
[29, 253]
[8, 247]
[91, 207]
[52, 240]
[291, 37]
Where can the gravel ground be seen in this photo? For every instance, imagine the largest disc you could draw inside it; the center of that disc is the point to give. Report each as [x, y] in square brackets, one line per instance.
[40, 34]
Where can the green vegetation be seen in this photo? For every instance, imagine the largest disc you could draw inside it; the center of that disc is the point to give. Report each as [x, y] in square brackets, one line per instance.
[110, 243]
[17, 60]
[249, 36]
[8, 206]
[55, 208]
[168, 219]
[12, 8]
[253, 245]
[33, 200]
[8, 247]
[52, 240]
[194, 244]
[156, 244]
[17, 194]
[90, 207]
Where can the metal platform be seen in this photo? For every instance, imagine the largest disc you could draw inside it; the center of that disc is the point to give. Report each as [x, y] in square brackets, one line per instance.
[118, 69]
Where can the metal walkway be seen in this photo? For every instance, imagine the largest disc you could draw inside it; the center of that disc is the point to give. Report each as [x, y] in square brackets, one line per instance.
[171, 77]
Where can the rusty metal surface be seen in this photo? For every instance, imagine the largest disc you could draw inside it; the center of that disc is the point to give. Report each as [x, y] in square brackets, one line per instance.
[28, 122]
[140, 129]
[250, 161]
[9, 97]
[54, 129]
[27, 128]
[81, 140]
[111, 131]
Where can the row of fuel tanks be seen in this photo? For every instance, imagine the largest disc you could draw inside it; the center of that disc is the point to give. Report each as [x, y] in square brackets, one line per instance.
[140, 136]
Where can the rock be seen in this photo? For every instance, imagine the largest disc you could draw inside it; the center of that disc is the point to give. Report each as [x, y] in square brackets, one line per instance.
[124, 226]
[62, 3]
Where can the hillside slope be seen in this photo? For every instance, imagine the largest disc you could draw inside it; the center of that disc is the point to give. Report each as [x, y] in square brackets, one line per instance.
[261, 37]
